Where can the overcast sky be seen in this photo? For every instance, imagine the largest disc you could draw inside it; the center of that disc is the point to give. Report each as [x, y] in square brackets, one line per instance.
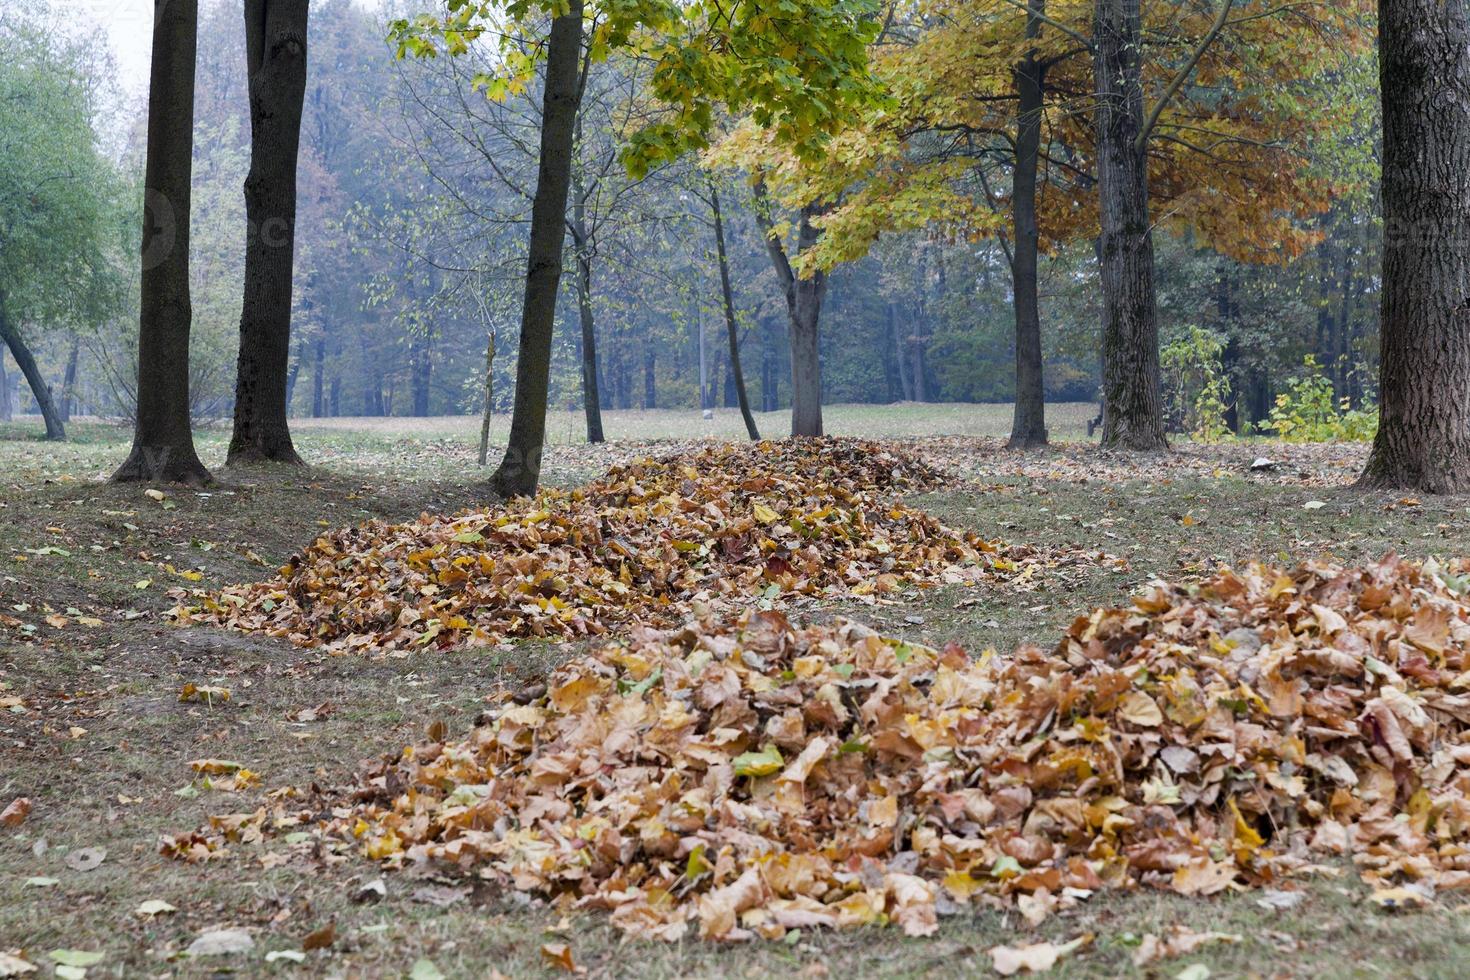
[129, 27]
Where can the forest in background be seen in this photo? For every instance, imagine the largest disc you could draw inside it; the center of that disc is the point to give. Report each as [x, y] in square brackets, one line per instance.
[415, 195]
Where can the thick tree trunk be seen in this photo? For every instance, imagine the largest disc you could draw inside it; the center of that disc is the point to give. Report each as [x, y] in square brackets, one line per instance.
[520, 470]
[1133, 410]
[55, 430]
[1423, 440]
[275, 51]
[727, 292]
[803, 312]
[1028, 426]
[163, 444]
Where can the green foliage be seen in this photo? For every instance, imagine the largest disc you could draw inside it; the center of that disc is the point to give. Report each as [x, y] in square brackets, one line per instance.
[59, 195]
[1196, 388]
[1308, 411]
[797, 68]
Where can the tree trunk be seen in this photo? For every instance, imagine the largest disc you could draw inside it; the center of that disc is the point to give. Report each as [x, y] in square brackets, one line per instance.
[591, 389]
[318, 381]
[69, 383]
[1423, 440]
[275, 52]
[804, 309]
[728, 293]
[55, 430]
[1133, 411]
[420, 368]
[5, 409]
[487, 409]
[163, 444]
[520, 471]
[1028, 426]
[918, 342]
[900, 353]
[650, 377]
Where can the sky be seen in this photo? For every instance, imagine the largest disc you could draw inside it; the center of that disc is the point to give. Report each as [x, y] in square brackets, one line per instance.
[129, 27]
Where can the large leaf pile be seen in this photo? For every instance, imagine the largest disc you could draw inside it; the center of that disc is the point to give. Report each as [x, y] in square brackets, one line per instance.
[806, 517]
[753, 777]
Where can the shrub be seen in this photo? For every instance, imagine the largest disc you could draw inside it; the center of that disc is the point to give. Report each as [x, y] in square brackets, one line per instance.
[1308, 411]
[1196, 388]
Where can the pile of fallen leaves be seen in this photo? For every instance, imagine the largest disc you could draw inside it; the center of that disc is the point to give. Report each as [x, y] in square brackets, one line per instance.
[729, 522]
[754, 777]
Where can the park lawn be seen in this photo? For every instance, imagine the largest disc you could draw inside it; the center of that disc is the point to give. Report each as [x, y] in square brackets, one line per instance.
[102, 742]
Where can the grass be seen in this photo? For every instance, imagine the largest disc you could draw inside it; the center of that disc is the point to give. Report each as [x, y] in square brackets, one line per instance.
[102, 744]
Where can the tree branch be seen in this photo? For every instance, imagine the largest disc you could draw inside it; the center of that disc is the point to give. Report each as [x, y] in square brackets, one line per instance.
[1183, 76]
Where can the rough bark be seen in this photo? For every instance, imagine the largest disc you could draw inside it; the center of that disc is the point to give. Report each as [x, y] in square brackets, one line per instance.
[1133, 411]
[728, 294]
[163, 444]
[520, 471]
[1423, 440]
[1028, 425]
[275, 55]
[26, 361]
[804, 297]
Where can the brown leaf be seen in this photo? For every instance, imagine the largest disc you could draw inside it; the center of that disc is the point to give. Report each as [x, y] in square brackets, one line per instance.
[321, 938]
[15, 814]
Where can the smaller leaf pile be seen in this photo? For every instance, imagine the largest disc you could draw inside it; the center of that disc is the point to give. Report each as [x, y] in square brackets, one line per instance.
[808, 517]
[752, 777]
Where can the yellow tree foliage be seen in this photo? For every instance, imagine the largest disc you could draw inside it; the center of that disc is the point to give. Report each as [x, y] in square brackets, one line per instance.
[1231, 152]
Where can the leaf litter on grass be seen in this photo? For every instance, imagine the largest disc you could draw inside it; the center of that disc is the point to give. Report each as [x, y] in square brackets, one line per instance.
[723, 526]
[747, 777]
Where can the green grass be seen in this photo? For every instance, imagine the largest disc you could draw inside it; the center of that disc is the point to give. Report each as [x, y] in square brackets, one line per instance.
[114, 785]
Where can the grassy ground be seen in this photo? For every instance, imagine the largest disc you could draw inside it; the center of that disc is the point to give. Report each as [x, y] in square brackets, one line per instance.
[92, 729]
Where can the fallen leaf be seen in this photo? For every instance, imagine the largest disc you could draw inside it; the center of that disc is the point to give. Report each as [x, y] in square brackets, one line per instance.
[206, 693]
[154, 907]
[1036, 958]
[15, 814]
[86, 858]
[14, 966]
[76, 957]
[221, 942]
[321, 938]
[559, 955]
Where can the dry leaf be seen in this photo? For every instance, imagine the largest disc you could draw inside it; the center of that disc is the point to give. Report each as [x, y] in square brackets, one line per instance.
[86, 858]
[321, 938]
[1036, 958]
[15, 814]
[559, 955]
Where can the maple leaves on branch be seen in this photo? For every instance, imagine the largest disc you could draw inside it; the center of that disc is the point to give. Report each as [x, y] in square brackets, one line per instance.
[722, 526]
[747, 777]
